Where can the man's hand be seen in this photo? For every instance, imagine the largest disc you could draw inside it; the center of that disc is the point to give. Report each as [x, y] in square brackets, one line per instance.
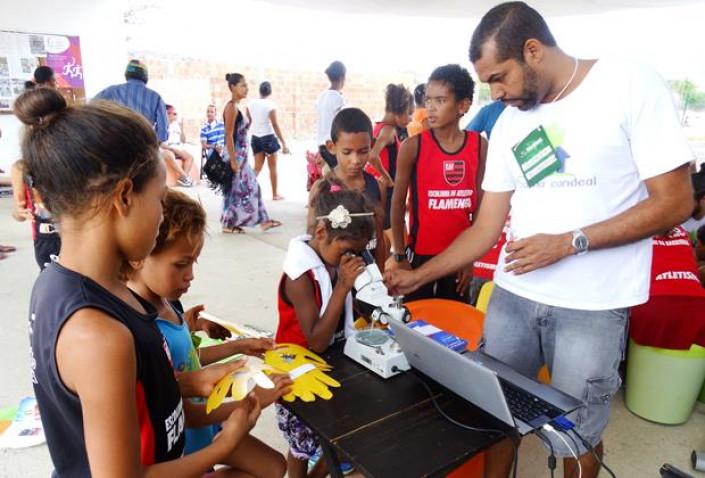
[401, 282]
[200, 383]
[392, 265]
[535, 252]
[463, 280]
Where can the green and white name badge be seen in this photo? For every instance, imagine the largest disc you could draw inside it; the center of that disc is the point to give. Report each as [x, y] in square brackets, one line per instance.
[536, 156]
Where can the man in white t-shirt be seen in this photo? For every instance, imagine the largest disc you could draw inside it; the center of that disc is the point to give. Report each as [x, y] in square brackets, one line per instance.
[592, 160]
[327, 106]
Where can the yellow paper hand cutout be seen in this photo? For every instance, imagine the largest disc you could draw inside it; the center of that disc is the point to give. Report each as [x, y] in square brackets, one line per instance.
[240, 383]
[306, 370]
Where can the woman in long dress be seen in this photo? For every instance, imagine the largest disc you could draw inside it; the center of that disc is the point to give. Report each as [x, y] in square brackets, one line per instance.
[242, 205]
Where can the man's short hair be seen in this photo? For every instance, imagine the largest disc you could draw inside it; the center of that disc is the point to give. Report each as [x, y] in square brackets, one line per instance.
[335, 71]
[350, 120]
[136, 70]
[457, 79]
[169, 107]
[510, 24]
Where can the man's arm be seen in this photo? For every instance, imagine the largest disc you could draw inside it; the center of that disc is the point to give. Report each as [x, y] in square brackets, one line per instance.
[469, 246]
[670, 203]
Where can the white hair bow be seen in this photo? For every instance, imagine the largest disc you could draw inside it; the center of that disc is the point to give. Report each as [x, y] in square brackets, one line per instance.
[340, 218]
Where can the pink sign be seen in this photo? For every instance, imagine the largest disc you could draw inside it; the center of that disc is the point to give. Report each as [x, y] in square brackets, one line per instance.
[67, 64]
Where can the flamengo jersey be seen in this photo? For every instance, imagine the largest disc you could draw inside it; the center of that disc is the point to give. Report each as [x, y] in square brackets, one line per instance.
[443, 192]
[58, 293]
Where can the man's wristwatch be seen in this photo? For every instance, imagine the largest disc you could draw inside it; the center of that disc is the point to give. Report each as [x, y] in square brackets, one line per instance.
[580, 242]
[399, 257]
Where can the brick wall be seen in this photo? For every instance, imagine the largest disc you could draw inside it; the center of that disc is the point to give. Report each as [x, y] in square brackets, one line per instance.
[191, 84]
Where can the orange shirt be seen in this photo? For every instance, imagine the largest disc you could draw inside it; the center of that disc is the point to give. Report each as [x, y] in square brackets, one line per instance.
[416, 125]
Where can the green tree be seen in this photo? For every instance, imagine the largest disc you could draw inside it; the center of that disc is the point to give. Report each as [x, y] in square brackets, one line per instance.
[690, 96]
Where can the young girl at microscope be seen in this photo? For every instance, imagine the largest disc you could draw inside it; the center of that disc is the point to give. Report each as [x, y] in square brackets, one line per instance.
[314, 300]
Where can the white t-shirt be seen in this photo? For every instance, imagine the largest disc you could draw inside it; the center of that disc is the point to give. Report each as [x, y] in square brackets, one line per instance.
[259, 110]
[616, 129]
[327, 106]
[174, 131]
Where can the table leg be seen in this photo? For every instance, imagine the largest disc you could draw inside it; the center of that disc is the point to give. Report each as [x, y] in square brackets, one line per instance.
[331, 458]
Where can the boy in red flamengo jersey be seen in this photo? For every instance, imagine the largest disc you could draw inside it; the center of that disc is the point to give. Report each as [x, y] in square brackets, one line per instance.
[442, 170]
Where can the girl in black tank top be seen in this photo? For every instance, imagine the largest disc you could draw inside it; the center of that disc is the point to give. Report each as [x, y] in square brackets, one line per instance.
[109, 401]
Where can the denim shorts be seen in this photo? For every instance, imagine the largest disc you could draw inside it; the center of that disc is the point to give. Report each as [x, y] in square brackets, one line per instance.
[582, 349]
[265, 144]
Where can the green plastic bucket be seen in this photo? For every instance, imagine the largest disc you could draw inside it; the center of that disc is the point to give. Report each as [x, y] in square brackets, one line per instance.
[662, 384]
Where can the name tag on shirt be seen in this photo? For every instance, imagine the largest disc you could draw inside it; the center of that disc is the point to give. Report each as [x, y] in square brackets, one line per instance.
[536, 156]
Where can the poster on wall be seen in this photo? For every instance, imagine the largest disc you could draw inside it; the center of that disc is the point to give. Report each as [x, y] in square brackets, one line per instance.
[21, 53]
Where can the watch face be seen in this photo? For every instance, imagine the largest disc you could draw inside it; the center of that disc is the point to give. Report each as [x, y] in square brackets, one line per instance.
[581, 243]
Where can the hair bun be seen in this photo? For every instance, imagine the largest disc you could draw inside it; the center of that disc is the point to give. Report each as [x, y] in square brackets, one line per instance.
[227, 77]
[37, 106]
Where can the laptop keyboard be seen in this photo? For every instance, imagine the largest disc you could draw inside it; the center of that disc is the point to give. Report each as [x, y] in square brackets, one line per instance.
[526, 406]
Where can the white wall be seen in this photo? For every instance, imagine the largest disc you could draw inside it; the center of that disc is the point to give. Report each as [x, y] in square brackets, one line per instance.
[100, 26]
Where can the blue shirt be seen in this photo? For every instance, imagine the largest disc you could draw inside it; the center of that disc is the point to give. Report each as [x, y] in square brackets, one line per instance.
[135, 95]
[485, 119]
[184, 358]
[213, 134]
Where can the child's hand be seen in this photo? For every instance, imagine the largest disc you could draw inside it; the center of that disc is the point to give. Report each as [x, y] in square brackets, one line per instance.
[200, 383]
[20, 212]
[213, 329]
[191, 316]
[282, 386]
[239, 423]
[350, 267]
[255, 347]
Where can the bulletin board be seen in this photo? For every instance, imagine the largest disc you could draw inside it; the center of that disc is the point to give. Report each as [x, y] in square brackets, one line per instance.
[21, 53]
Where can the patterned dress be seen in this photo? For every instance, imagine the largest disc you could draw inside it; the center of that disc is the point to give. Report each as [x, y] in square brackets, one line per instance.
[242, 205]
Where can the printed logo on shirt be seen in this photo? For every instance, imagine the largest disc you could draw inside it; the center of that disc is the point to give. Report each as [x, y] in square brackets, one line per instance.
[453, 171]
[542, 160]
[174, 425]
[448, 199]
[32, 361]
[678, 275]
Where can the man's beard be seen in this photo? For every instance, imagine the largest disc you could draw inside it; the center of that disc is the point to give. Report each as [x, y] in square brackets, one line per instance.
[529, 94]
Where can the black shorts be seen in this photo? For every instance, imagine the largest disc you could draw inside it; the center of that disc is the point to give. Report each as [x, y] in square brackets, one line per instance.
[267, 144]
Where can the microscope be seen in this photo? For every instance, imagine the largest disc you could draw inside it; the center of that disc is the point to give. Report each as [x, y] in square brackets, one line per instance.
[374, 347]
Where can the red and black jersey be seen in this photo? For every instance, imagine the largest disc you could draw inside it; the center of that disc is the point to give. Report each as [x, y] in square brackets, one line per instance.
[443, 192]
[289, 331]
[289, 328]
[388, 155]
[59, 293]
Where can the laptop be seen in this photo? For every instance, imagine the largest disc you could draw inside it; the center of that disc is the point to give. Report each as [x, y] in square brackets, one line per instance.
[486, 382]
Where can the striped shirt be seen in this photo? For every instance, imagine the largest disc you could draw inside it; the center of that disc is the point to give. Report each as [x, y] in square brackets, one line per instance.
[135, 95]
[213, 134]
